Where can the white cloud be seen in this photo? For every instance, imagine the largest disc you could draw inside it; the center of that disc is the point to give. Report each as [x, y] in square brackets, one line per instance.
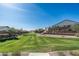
[12, 5]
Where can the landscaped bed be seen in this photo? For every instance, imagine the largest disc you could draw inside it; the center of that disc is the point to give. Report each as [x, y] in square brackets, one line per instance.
[33, 43]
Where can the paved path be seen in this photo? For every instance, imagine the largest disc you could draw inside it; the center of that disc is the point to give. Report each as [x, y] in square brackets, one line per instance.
[38, 54]
[53, 53]
[58, 36]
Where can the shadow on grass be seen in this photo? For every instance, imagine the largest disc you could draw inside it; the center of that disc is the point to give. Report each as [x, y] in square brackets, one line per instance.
[3, 40]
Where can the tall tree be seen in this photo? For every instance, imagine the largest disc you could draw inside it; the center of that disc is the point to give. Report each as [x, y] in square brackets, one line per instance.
[76, 28]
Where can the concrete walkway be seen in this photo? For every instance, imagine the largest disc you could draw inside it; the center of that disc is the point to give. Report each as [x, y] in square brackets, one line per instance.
[58, 36]
[38, 54]
[52, 53]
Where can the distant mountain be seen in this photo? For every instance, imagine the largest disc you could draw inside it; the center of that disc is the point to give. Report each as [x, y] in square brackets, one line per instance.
[64, 27]
[66, 22]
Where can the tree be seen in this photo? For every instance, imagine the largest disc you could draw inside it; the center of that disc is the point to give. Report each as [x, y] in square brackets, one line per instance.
[76, 28]
[12, 31]
[39, 30]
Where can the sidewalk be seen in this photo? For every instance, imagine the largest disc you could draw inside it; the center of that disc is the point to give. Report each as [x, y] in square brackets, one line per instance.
[58, 36]
[39, 54]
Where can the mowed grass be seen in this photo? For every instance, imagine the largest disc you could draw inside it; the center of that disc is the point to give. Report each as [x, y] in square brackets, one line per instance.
[32, 43]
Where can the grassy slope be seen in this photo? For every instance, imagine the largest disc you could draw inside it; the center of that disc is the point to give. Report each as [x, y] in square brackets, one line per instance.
[32, 43]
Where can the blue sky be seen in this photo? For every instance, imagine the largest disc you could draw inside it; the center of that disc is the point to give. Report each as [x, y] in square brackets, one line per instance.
[33, 16]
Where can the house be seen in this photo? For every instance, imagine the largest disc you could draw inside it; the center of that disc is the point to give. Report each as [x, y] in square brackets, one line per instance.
[5, 34]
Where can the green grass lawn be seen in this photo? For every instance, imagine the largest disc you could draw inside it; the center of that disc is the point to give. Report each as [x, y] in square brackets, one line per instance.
[33, 43]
